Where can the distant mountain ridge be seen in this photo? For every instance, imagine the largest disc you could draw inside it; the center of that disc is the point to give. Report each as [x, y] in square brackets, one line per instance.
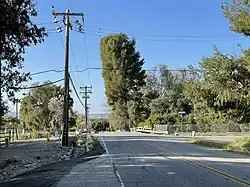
[13, 114]
[103, 115]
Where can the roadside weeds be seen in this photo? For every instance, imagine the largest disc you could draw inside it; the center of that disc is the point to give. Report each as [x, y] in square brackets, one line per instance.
[240, 145]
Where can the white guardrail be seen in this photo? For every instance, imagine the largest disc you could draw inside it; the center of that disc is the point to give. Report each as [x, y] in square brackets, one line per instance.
[151, 131]
[161, 132]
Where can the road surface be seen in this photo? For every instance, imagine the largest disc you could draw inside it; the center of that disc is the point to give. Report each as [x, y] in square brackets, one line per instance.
[138, 160]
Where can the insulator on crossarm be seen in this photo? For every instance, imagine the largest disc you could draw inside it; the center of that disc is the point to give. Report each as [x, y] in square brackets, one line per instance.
[81, 29]
[59, 29]
[55, 20]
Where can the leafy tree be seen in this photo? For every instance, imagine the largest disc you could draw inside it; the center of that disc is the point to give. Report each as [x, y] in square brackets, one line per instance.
[222, 92]
[238, 14]
[79, 121]
[137, 112]
[164, 92]
[160, 119]
[17, 32]
[35, 112]
[151, 91]
[100, 125]
[55, 107]
[72, 118]
[122, 73]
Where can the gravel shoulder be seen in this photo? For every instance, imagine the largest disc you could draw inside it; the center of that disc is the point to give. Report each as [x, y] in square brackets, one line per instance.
[48, 175]
[27, 155]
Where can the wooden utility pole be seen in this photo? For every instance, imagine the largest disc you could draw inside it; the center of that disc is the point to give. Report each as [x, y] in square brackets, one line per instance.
[16, 101]
[86, 91]
[66, 72]
[1, 106]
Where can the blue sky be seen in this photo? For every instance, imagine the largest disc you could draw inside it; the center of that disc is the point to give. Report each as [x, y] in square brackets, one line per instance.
[160, 27]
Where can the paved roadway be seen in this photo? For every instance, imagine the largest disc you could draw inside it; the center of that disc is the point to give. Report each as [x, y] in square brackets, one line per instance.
[137, 160]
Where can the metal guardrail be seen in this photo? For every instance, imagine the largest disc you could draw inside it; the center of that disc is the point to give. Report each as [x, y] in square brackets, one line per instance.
[153, 132]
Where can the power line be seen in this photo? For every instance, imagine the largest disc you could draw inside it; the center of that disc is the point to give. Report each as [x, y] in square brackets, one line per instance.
[44, 23]
[86, 54]
[47, 71]
[37, 86]
[70, 53]
[100, 68]
[72, 83]
[97, 29]
[162, 35]
[74, 60]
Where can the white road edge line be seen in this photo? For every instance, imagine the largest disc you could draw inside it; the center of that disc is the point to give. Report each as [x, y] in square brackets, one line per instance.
[105, 147]
[116, 171]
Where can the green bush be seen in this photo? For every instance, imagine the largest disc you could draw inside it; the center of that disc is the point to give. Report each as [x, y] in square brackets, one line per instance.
[191, 127]
[207, 143]
[24, 136]
[244, 127]
[35, 135]
[242, 144]
[100, 125]
[158, 119]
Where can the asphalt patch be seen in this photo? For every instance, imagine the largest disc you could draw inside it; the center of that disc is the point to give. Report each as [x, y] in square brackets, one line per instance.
[50, 174]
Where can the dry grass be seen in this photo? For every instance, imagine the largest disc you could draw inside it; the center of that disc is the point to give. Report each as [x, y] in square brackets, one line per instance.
[241, 145]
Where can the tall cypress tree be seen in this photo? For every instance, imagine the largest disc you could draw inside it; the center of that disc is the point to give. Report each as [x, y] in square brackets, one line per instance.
[122, 72]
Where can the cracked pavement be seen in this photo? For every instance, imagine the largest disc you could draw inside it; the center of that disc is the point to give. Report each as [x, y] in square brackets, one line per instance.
[136, 160]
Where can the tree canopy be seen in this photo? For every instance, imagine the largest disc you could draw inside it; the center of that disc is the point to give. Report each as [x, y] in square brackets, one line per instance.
[238, 15]
[42, 110]
[122, 72]
[17, 32]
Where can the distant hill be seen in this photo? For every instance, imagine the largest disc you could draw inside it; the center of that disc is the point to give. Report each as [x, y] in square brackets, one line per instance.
[13, 114]
[104, 115]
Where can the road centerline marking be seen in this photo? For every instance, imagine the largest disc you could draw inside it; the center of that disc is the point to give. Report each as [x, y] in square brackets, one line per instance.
[225, 175]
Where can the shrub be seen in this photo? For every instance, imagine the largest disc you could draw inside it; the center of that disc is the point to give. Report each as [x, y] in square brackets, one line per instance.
[207, 143]
[100, 125]
[242, 144]
[24, 136]
[35, 135]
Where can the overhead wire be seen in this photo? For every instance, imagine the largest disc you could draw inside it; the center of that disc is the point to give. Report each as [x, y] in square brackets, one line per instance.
[46, 71]
[41, 85]
[100, 68]
[74, 88]
[64, 47]
[85, 46]
[86, 55]
[158, 37]
[74, 60]
[163, 35]
[174, 40]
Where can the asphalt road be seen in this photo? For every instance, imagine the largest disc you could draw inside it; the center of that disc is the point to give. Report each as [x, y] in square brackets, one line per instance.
[136, 160]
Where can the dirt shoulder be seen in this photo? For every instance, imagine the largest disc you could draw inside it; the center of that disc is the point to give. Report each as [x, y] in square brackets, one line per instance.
[48, 175]
[27, 155]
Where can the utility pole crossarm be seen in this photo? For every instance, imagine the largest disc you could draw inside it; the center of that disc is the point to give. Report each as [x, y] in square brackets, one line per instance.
[68, 14]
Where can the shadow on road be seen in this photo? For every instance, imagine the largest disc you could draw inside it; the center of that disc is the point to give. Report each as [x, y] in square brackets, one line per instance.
[49, 174]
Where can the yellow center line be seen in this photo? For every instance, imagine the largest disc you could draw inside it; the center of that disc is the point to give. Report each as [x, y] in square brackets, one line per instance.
[233, 178]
